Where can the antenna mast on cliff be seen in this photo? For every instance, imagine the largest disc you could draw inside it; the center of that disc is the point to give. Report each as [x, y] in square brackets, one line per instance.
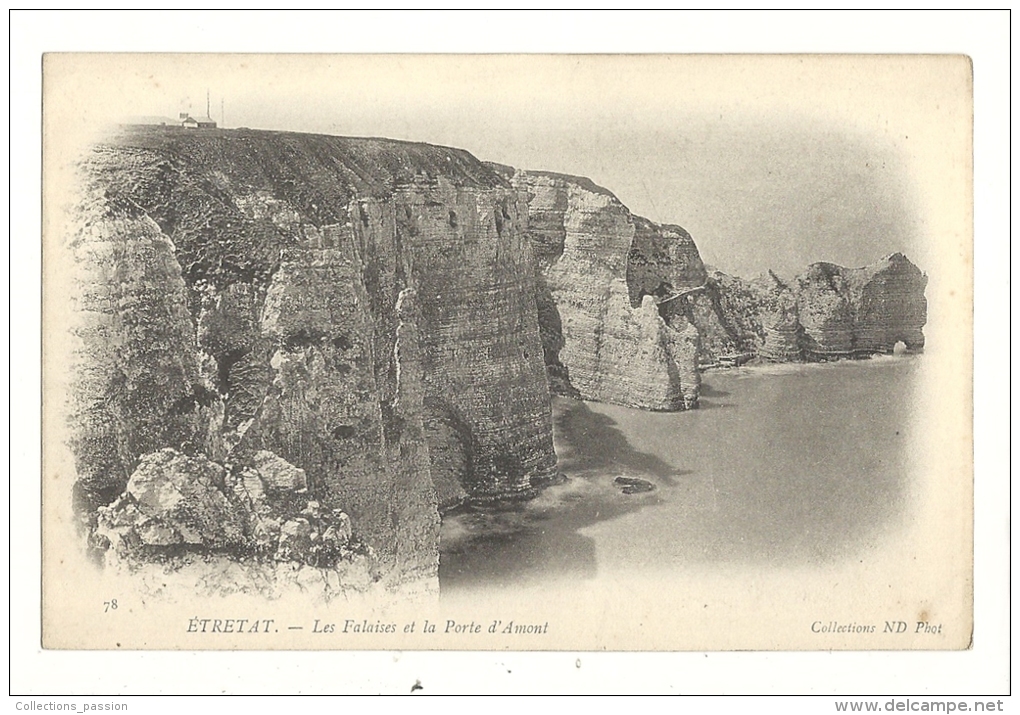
[207, 112]
[223, 116]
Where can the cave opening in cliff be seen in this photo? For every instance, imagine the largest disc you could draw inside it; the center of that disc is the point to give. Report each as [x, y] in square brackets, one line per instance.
[223, 365]
[342, 342]
[344, 431]
[303, 338]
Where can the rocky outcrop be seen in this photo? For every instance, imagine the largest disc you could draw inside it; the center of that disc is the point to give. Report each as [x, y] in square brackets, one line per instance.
[138, 384]
[313, 308]
[825, 311]
[889, 305]
[173, 499]
[607, 287]
[663, 260]
[295, 349]
[782, 335]
[828, 312]
[182, 512]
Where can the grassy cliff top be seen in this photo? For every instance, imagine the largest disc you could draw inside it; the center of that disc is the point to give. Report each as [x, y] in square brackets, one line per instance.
[262, 159]
[198, 184]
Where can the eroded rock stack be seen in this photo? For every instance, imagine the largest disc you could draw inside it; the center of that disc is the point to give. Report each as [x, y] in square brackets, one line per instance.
[889, 305]
[782, 336]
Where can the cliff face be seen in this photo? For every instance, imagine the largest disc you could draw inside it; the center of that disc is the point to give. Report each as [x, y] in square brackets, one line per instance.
[363, 310]
[599, 266]
[782, 334]
[662, 261]
[889, 305]
[138, 380]
[823, 304]
[827, 312]
[603, 277]
[298, 348]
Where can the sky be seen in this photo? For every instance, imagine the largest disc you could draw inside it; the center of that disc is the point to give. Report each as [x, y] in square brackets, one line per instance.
[769, 163]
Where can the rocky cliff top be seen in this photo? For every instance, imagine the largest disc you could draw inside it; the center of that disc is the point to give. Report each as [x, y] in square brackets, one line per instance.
[205, 188]
[362, 165]
[582, 182]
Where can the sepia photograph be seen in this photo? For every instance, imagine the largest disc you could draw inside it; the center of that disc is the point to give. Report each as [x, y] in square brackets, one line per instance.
[507, 353]
[386, 365]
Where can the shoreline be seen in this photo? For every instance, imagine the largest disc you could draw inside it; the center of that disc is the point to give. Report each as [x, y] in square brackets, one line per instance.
[742, 478]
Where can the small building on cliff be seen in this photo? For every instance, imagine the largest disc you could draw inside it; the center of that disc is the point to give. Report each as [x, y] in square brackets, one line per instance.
[190, 122]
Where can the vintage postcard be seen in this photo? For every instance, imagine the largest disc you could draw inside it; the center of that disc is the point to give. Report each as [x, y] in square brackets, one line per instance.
[507, 352]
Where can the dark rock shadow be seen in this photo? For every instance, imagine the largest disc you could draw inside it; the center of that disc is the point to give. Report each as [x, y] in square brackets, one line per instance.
[798, 470]
[550, 330]
[707, 390]
[588, 441]
[539, 540]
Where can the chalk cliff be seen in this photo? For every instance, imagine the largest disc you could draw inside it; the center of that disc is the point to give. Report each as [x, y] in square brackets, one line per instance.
[781, 335]
[889, 305]
[827, 312]
[363, 310]
[611, 295]
[294, 350]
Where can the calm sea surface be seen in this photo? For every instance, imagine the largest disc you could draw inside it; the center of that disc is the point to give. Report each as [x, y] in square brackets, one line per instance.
[787, 465]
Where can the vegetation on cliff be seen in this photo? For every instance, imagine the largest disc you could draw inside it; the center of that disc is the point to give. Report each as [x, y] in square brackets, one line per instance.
[296, 350]
[329, 301]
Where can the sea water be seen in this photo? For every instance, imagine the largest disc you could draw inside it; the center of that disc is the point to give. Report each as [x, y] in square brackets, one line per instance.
[785, 464]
